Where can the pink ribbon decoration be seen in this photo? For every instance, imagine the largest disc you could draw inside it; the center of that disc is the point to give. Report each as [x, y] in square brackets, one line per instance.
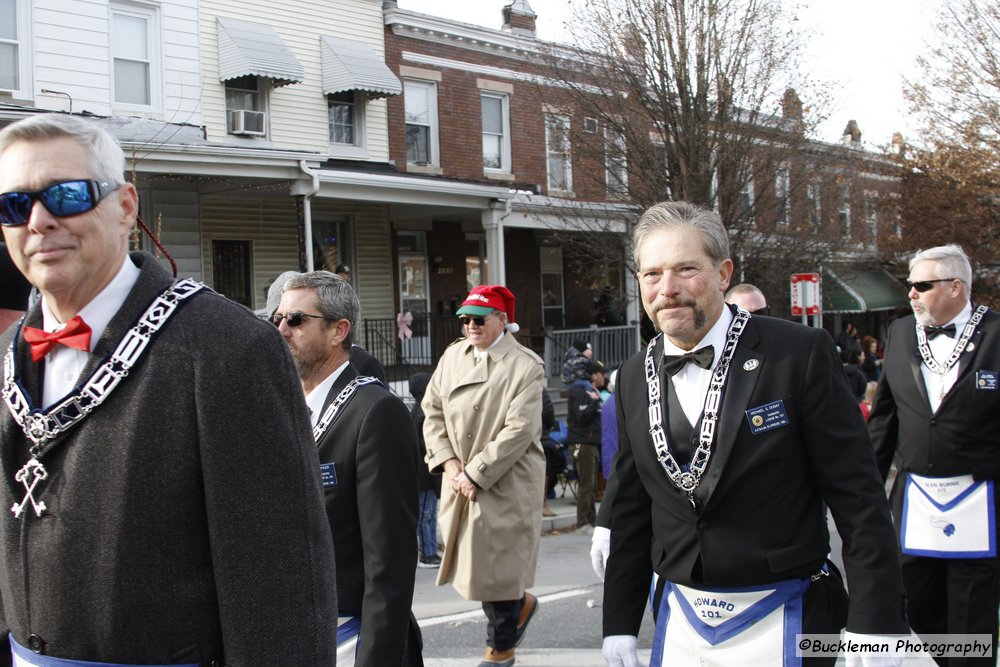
[403, 322]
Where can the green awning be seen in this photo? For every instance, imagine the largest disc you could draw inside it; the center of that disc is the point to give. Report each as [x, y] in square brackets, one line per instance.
[852, 290]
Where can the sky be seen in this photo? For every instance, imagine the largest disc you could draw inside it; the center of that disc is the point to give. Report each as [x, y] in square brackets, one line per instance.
[863, 47]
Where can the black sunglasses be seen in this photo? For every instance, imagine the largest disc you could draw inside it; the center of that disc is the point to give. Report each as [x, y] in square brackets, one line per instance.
[60, 199]
[480, 321]
[926, 285]
[293, 319]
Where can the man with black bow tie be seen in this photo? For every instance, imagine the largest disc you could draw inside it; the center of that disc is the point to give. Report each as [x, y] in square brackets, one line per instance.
[734, 431]
[937, 409]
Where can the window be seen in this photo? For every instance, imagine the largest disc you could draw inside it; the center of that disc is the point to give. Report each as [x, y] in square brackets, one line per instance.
[421, 122]
[333, 242]
[246, 106]
[746, 200]
[557, 147]
[344, 114]
[10, 74]
[871, 215]
[496, 132]
[553, 297]
[615, 164]
[844, 210]
[134, 52]
[477, 267]
[813, 206]
[781, 185]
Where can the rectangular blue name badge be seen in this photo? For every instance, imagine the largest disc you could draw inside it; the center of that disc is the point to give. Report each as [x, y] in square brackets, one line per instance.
[329, 472]
[987, 380]
[767, 417]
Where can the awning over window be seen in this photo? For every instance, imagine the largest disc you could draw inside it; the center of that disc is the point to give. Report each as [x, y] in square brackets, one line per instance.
[351, 65]
[256, 49]
[851, 290]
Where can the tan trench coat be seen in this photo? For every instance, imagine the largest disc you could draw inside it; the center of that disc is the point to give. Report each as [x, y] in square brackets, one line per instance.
[489, 416]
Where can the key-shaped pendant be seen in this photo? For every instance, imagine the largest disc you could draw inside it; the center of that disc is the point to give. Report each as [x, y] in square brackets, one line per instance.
[30, 474]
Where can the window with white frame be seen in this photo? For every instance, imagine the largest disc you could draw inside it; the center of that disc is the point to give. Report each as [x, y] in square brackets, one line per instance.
[746, 199]
[844, 210]
[781, 189]
[895, 215]
[345, 116]
[615, 164]
[496, 132]
[557, 150]
[246, 106]
[420, 103]
[10, 44]
[813, 205]
[871, 215]
[134, 54]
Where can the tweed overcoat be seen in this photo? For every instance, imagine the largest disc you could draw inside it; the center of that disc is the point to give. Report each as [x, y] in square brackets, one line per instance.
[489, 416]
[184, 517]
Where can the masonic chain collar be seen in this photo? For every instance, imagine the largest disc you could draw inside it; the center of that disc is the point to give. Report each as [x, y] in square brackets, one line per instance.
[963, 341]
[688, 480]
[345, 395]
[42, 427]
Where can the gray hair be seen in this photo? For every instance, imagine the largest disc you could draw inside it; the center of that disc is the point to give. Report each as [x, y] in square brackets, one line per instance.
[336, 299]
[744, 288]
[950, 261]
[105, 157]
[680, 214]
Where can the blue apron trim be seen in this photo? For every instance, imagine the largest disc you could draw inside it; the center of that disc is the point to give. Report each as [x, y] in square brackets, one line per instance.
[33, 658]
[990, 552]
[348, 630]
[788, 593]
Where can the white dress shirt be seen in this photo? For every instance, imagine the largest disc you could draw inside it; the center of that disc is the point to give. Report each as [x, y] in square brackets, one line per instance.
[941, 348]
[63, 365]
[317, 397]
[691, 383]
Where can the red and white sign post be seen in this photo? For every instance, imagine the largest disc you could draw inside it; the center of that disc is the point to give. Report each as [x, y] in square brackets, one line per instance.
[807, 299]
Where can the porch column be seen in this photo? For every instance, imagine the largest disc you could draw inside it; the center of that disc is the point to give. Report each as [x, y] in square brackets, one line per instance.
[495, 253]
[633, 300]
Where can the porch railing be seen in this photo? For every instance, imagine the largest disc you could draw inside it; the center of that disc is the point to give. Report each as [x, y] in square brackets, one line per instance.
[612, 345]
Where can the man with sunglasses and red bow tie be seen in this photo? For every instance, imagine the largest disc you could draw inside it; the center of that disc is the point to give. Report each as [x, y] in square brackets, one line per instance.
[161, 510]
[937, 410]
[483, 430]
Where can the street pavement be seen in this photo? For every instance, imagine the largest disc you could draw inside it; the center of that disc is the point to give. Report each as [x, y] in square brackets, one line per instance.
[565, 632]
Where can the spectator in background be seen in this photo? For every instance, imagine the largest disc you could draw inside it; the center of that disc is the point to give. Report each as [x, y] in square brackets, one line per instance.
[866, 402]
[855, 376]
[609, 428]
[344, 271]
[575, 363]
[554, 462]
[14, 290]
[584, 426]
[871, 364]
[847, 339]
[428, 483]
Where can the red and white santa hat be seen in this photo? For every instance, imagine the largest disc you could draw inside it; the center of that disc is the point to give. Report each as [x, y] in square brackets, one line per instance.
[484, 299]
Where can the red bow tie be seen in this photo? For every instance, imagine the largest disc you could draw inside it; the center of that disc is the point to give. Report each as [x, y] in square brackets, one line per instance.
[75, 334]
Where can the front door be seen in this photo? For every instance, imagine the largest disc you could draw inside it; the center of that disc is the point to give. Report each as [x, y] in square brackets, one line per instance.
[414, 299]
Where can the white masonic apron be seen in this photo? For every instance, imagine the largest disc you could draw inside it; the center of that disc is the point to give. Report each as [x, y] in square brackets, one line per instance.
[348, 636]
[948, 517]
[25, 657]
[753, 625]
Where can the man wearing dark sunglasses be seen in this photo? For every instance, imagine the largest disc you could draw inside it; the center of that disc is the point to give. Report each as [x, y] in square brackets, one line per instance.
[368, 448]
[483, 430]
[937, 410]
[163, 512]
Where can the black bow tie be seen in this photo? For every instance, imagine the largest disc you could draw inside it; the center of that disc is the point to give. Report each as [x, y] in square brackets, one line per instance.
[947, 330]
[703, 357]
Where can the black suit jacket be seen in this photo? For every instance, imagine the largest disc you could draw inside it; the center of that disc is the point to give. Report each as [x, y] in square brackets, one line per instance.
[372, 510]
[963, 436]
[761, 516]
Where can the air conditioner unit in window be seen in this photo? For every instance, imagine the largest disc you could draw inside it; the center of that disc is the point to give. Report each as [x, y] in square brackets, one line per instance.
[247, 122]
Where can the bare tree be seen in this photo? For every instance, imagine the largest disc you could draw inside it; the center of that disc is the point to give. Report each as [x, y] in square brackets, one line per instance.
[695, 100]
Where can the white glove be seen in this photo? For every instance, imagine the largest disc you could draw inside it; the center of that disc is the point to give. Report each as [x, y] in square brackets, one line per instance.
[600, 547]
[856, 660]
[619, 651]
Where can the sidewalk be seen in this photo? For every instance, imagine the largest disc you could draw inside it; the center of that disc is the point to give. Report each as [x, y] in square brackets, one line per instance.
[565, 509]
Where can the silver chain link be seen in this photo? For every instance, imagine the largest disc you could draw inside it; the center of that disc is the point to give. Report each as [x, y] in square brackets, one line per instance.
[330, 414]
[963, 341]
[688, 481]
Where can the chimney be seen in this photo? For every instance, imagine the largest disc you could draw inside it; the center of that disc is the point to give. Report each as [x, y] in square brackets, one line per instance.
[852, 134]
[898, 144]
[791, 105]
[519, 19]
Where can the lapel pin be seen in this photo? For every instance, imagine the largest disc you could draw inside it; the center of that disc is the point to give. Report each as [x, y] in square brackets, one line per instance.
[970, 347]
[751, 364]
